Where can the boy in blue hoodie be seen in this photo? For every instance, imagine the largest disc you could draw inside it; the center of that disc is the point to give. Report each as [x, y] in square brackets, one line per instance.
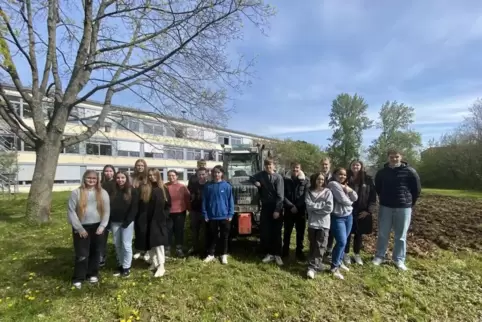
[218, 211]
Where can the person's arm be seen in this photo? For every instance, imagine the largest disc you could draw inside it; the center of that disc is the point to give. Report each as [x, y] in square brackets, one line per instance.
[286, 201]
[301, 201]
[353, 195]
[105, 218]
[415, 186]
[133, 207]
[328, 206]
[310, 204]
[378, 182]
[159, 203]
[280, 193]
[205, 202]
[230, 202]
[338, 194]
[372, 197]
[72, 216]
[187, 198]
[256, 177]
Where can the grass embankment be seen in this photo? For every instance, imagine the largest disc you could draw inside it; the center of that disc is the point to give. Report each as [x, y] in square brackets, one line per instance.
[36, 265]
[453, 193]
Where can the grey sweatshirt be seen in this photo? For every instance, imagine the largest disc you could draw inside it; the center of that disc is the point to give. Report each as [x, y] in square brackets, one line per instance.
[343, 202]
[91, 214]
[319, 205]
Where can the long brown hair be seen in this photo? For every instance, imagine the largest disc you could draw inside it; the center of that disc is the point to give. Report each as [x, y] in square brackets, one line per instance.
[139, 178]
[358, 179]
[127, 189]
[82, 204]
[146, 189]
[314, 178]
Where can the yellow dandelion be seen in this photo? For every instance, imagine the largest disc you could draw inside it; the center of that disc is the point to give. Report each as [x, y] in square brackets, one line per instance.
[122, 320]
[210, 298]
[133, 283]
[149, 283]
[131, 317]
[137, 318]
[7, 298]
[47, 301]
[15, 258]
[1, 300]
[30, 278]
[72, 288]
[129, 320]
[57, 287]
[276, 315]
[24, 284]
[163, 296]
[144, 275]
[10, 305]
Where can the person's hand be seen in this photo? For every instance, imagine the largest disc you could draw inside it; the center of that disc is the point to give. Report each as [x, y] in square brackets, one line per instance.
[276, 215]
[347, 188]
[100, 230]
[294, 210]
[257, 184]
[363, 214]
[83, 234]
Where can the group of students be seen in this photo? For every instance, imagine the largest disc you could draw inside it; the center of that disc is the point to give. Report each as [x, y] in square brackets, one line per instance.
[338, 207]
[142, 210]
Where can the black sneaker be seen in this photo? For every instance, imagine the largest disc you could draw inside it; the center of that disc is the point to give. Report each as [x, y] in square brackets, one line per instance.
[126, 272]
[119, 271]
[300, 256]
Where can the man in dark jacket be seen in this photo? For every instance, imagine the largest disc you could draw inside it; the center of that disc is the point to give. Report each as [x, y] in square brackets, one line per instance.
[196, 188]
[398, 188]
[200, 164]
[271, 187]
[295, 184]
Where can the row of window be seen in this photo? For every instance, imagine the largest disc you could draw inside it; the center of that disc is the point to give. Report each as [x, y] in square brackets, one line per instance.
[89, 116]
[106, 149]
[184, 174]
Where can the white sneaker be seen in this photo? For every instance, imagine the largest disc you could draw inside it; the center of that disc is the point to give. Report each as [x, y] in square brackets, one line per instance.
[377, 261]
[268, 258]
[336, 273]
[344, 267]
[137, 256]
[77, 285]
[160, 271]
[209, 258]
[358, 259]
[401, 266]
[347, 259]
[278, 260]
[310, 274]
[224, 259]
[93, 279]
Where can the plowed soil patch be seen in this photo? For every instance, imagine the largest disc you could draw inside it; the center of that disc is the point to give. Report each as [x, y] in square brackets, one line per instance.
[440, 221]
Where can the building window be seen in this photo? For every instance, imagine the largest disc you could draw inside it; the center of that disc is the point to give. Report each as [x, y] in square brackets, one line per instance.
[174, 153]
[153, 129]
[170, 132]
[73, 149]
[197, 155]
[180, 132]
[190, 155]
[236, 141]
[220, 156]
[27, 147]
[122, 153]
[130, 124]
[152, 150]
[7, 142]
[128, 149]
[93, 148]
[223, 140]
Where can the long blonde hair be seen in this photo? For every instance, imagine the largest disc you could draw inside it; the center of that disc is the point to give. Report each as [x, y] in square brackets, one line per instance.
[139, 178]
[82, 204]
[146, 189]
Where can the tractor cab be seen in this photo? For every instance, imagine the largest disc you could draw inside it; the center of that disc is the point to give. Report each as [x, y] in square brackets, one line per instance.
[240, 163]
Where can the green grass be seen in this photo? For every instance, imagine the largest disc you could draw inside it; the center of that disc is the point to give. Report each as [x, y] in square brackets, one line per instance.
[454, 193]
[36, 265]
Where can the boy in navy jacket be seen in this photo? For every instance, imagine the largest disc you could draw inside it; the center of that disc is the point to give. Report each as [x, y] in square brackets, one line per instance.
[218, 211]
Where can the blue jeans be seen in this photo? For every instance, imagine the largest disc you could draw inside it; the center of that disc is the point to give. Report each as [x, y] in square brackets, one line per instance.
[340, 228]
[122, 238]
[399, 220]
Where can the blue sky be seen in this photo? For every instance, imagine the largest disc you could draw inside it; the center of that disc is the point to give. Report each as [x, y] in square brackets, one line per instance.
[423, 53]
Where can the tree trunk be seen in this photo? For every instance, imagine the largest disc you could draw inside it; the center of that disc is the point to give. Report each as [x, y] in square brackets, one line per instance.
[40, 195]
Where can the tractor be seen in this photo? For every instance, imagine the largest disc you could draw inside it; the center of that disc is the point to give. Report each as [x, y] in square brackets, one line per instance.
[240, 163]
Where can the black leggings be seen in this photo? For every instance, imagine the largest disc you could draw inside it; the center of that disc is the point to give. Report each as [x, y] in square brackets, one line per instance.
[357, 243]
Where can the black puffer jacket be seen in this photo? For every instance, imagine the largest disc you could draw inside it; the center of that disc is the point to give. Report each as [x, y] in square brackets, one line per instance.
[295, 192]
[397, 187]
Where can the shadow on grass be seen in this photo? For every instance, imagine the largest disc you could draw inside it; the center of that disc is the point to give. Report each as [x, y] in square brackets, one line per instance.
[9, 209]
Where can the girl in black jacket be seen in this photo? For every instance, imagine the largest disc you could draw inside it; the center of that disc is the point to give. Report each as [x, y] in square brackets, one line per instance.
[108, 182]
[154, 205]
[363, 209]
[123, 209]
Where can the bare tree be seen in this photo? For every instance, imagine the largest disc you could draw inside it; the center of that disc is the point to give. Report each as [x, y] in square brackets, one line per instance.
[172, 53]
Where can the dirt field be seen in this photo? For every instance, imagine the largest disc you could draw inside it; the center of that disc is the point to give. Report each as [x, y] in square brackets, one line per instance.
[441, 221]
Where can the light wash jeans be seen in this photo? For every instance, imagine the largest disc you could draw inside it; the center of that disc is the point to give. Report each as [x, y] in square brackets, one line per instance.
[123, 243]
[399, 220]
[340, 228]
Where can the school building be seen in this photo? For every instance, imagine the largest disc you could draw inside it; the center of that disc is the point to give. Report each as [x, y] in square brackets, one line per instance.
[129, 134]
